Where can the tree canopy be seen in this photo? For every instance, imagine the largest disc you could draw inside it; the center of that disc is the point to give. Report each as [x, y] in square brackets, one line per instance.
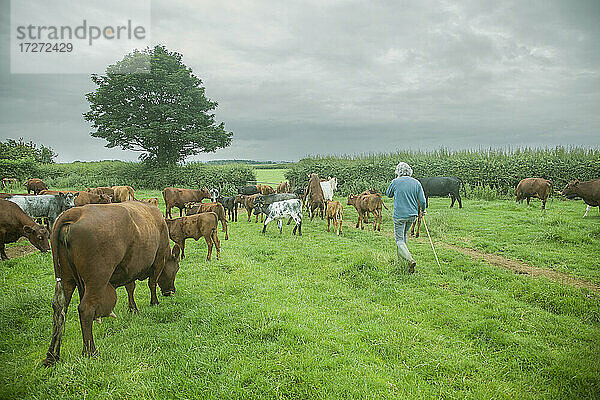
[19, 149]
[151, 102]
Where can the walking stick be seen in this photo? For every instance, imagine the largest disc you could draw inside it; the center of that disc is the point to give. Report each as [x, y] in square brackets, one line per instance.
[431, 241]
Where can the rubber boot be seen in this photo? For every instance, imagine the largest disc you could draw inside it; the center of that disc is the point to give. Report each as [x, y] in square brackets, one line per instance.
[404, 254]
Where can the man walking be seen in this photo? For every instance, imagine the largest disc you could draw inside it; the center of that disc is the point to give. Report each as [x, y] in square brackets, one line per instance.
[408, 198]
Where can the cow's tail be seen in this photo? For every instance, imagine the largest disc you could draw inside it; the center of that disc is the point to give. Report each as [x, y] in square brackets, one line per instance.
[60, 249]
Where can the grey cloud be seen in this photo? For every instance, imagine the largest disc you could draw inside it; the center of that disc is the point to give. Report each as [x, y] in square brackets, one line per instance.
[297, 78]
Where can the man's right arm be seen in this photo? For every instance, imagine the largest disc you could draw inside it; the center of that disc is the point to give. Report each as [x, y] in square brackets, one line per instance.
[390, 190]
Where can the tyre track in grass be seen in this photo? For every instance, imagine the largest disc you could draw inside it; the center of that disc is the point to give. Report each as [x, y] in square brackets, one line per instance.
[518, 267]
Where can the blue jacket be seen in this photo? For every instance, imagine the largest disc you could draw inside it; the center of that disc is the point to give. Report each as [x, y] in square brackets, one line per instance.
[407, 193]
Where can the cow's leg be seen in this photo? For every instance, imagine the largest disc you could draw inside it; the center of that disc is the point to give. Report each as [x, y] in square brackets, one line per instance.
[311, 208]
[130, 287]
[459, 200]
[290, 220]
[584, 215]
[182, 245]
[180, 212]
[217, 243]
[453, 200]
[3, 255]
[329, 219]
[168, 211]
[269, 219]
[63, 291]
[96, 302]
[280, 226]
[224, 225]
[159, 265]
[543, 204]
[249, 213]
[528, 198]
[209, 243]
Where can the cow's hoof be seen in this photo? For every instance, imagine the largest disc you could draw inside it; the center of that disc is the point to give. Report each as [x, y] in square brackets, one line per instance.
[50, 360]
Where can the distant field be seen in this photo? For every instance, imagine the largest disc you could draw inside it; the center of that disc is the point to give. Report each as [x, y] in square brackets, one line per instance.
[321, 316]
[273, 176]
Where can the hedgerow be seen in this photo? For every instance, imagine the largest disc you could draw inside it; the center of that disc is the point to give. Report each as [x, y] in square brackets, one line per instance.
[79, 175]
[486, 171]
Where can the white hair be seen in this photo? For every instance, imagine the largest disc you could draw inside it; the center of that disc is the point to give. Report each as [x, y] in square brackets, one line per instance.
[403, 169]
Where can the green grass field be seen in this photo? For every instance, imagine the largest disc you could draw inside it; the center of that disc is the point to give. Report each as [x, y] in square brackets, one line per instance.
[321, 316]
[272, 176]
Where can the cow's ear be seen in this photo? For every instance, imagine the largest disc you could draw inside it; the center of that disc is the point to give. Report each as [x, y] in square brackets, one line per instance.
[76, 194]
[175, 252]
[576, 182]
[28, 230]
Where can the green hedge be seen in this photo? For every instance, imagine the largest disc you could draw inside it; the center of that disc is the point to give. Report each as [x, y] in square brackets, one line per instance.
[486, 171]
[21, 169]
[79, 175]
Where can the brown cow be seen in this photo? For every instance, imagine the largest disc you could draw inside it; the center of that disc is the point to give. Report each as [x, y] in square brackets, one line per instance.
[589, 191]
[84, 198]
[266, 189]
[315, 196]
[335, 212]
[35, 185]
[7, 195]
[195, 226]
[217, 208]
[371, 203]
[102, 190]
[176, 197]
[283, 187]
[151, 200]
[100, 247]
[534, 187]
[122, 194]
[248, 203]
[14, 223]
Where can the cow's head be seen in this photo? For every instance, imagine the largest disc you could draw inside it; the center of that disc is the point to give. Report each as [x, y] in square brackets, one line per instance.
[352, 199]
[67, 200]
[166, 280]
[204, 193]
[38, 236]
[104, 199]
[214, 193]
[571, 191]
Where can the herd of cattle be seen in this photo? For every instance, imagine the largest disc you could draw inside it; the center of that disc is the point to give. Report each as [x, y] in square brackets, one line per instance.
[103, 238]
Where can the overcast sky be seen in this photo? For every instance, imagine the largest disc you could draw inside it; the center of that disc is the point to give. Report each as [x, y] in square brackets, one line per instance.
[314, 77]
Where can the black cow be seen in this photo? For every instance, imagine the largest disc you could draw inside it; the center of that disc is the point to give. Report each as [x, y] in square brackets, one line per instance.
[248, 190]
[441, 186]
[230, 205]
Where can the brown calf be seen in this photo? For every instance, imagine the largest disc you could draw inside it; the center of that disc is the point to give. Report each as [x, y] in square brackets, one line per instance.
[102, 190]
[195, 226]
[248, 203]
[123, 194]
[335, 212]
[283, 187]
[151, 200]
[35, 185]
[84, 198]
[368, 203]
[217, 208]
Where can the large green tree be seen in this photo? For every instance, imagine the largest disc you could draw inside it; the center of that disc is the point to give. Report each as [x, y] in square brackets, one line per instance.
[151, 102]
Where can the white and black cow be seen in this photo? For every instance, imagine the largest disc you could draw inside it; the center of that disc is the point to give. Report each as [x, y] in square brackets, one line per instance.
[328, 187]
[48, 206]
[285, 208]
